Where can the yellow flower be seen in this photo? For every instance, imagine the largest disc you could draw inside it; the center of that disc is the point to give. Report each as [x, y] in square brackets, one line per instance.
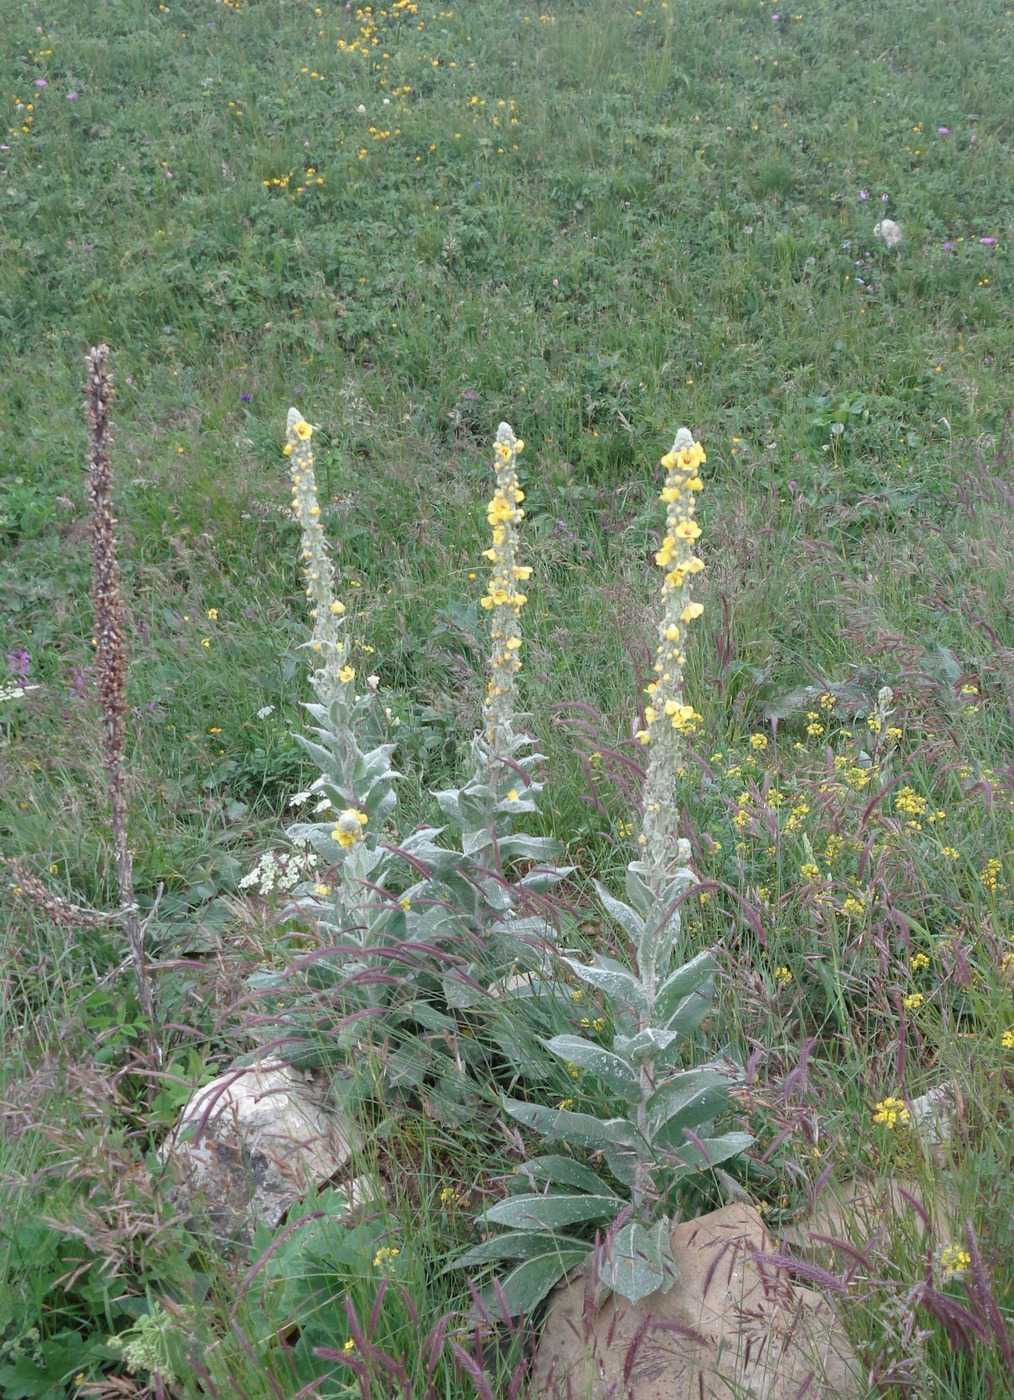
[383, 1255]
[918, 961]
[758, 741]
[337, 608]
[206, 643]
[687, 530]
[348, 830]
[953, 1261]
[302, 430]
[691, 612]
[809, 871]
[890, 1112]
[213, 614]
[1007, 1040]
[512, 796]
[913, 1001]
[783, 975]
[347, 675]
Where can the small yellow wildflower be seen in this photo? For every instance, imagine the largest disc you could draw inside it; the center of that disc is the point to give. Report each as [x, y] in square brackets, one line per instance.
[512, 796]
[990, 874]
[349, 1346]
[853, 908]
[322, 890]
[758, 741]
[338, 608]
[809, 871]
[890, 1112]
[918, 961]
[913, 1001]
[347, 675]
[213, 614]
[783, 976]
[302, 430]
[953, 1261]
[382, 1256]
[348, 830]
[206, 643]
[1007, 1040]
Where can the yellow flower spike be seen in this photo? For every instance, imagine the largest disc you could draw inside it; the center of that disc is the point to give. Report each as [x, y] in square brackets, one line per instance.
[326, 611]
[659, 838]
[504, 601]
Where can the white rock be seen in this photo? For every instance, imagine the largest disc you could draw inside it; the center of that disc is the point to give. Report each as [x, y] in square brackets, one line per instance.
[732, 1325]
[252, 1142]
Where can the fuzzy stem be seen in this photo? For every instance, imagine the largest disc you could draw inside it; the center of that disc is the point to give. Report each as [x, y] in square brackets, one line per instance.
[110, 655]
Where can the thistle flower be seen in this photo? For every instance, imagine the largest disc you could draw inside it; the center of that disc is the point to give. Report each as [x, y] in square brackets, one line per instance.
[503, 597]
[668, 718]
[325, 609]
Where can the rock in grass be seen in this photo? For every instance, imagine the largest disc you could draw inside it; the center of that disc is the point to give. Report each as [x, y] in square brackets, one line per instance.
[733, 1324]
[251, 1143]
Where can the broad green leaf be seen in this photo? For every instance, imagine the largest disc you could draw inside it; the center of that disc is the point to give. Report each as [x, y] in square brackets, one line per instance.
[610, 1068]
[686, 1100]
[639, 895]
[524, 1288]
[638, 1260]
[514, 1245]
[693, 976]
[564, 1171]
[521, 847]
[535, 1212]
[720, 1149]
[689, 1014]
[580, 1129]
[323, 758]
[646, 1044]
[628, 919]
[618, 986]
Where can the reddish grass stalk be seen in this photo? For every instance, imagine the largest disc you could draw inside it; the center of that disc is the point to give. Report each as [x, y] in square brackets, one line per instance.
[110, 656]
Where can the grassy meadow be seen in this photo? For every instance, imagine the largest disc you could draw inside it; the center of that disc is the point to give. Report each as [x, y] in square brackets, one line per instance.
[597, 220]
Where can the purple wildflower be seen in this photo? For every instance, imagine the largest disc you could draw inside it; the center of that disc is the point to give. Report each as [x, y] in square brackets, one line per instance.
[988, 242]
[949, 246]
[72, 96]
[864, 195]
[943, 131]
[42, 82]
[19, 662]
[245, 398]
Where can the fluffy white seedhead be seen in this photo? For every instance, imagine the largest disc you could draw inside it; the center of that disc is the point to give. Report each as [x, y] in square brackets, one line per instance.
[888, 232]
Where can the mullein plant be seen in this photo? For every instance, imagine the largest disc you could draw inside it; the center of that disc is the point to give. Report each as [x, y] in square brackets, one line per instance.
[413, 901]
[655, 1127]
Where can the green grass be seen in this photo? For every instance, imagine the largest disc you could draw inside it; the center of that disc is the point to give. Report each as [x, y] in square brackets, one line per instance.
[662, 224]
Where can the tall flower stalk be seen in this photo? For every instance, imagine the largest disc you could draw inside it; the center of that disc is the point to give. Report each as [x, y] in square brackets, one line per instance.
[504, 600]
[327, 611]
[110, 654]
[667, 716]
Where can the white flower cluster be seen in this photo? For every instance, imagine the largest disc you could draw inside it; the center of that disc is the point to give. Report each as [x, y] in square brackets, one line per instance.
[279, 870]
